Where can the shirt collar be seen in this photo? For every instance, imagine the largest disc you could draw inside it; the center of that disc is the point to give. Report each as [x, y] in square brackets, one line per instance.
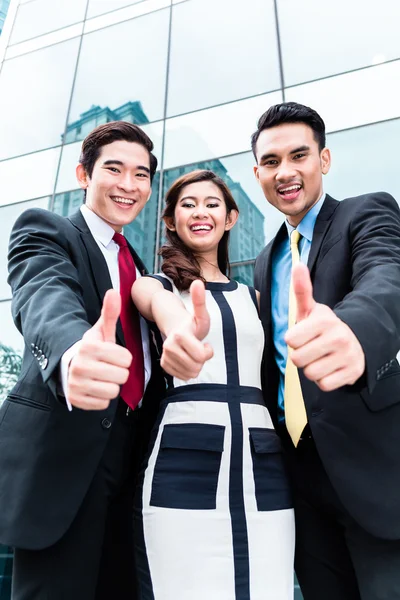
[100, 230]
[306, 225]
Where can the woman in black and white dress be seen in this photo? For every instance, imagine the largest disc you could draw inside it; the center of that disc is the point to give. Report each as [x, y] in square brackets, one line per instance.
[213, 510]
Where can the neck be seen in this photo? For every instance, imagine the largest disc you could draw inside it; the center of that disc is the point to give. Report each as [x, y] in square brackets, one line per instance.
[209, 267]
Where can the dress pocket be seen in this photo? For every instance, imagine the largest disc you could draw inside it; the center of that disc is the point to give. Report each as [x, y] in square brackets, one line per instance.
[271, 483]
[187, 466]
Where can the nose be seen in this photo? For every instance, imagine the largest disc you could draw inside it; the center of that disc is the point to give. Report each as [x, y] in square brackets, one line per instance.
[285, 172]
[200, 212]
[127, 183]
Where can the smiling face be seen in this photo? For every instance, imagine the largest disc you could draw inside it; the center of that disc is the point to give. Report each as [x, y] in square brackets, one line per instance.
[201, 218]
[120, 183]
[290, 168]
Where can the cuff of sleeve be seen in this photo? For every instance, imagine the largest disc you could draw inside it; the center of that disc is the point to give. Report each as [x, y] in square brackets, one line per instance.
[64, 366]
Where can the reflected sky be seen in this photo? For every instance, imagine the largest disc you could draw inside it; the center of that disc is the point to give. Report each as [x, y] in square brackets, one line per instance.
[99, 7]
[323, 38]
[353, 99]
[121, 63]
[214, 132]
[211, 62]
[364, 160]
[53, 15]
[34, 94]
[30, 176]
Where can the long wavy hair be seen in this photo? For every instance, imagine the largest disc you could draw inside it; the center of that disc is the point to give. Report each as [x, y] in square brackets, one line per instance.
[179, 261]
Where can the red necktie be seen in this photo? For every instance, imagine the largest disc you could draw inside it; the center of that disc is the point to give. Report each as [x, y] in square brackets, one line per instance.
[132, 391]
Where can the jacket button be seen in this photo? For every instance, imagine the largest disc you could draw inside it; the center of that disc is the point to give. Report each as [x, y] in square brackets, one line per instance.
[106, 423]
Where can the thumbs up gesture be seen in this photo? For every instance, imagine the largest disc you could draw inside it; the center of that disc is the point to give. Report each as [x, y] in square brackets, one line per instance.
[322, 344]
[184, 352]
[100, 366]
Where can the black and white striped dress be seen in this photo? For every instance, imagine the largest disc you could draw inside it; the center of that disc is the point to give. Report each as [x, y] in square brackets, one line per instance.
[213, 513]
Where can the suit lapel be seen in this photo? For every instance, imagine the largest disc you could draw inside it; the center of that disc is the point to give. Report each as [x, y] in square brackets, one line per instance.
[321, 228]
[101, 275]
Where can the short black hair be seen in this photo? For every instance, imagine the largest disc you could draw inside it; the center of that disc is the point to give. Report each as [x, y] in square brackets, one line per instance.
[111, 132]
[290, 112]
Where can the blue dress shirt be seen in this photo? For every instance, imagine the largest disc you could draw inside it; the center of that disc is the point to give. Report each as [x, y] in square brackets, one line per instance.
[280, 283]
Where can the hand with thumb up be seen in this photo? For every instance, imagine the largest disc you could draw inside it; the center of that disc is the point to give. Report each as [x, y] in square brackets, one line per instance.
[184, 352]
[100, 366]
[322, 345]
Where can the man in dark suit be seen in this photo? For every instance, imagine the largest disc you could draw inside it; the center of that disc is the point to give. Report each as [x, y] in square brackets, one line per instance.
[335, 398]
[70, 437]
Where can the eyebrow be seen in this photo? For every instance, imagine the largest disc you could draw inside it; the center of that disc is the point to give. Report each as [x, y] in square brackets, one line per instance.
[121, 164]
[295, 151]
[195, 198]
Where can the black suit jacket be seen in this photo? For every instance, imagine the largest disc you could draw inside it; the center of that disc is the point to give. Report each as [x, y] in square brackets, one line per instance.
[355, 269]
[48, 456]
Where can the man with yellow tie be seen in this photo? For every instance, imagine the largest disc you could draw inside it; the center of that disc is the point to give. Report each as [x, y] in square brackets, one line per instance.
[330, 373]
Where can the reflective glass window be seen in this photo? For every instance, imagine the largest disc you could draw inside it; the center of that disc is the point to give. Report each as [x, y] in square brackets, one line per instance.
[43, 16]
[125, 14]
[8, 215]
[324, 38]
[9, 334]
[364, 160]
[243, 272]
[353, 99]
[121, 74]
[42, 41]
[99, 7]
[30, 176]
[217, 131]
[34, 96]
[221, 51]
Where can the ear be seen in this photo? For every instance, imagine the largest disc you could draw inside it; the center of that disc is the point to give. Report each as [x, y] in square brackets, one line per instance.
[325, 161]
[169, 223]
[257, 176]
[231, 219]
[82, 176]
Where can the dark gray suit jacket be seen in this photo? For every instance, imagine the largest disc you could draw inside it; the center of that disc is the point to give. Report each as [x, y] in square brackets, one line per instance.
[355, 269]
[48, 456]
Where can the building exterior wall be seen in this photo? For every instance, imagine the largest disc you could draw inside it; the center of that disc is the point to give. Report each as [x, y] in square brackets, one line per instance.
[196, 75]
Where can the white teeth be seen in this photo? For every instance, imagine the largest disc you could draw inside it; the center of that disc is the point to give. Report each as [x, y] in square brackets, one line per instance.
[123, 200]
[290, 189]
[200, 227]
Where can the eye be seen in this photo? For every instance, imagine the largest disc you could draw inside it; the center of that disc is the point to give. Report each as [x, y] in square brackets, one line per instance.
[270, 163]
[187, 205]
[299, 155]
[213, 205]
[144, 175]
[113, 169]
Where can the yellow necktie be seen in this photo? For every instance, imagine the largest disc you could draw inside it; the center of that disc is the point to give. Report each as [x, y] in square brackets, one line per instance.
[295, 411]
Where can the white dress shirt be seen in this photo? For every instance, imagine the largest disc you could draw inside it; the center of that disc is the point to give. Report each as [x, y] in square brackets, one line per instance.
[103, 234]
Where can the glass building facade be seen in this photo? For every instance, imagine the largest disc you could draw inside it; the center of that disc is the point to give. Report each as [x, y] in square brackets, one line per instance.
[196, 75]
[3, 12]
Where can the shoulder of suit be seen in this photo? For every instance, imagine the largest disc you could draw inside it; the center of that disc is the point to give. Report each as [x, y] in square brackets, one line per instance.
[40, 215]
[372, 196]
